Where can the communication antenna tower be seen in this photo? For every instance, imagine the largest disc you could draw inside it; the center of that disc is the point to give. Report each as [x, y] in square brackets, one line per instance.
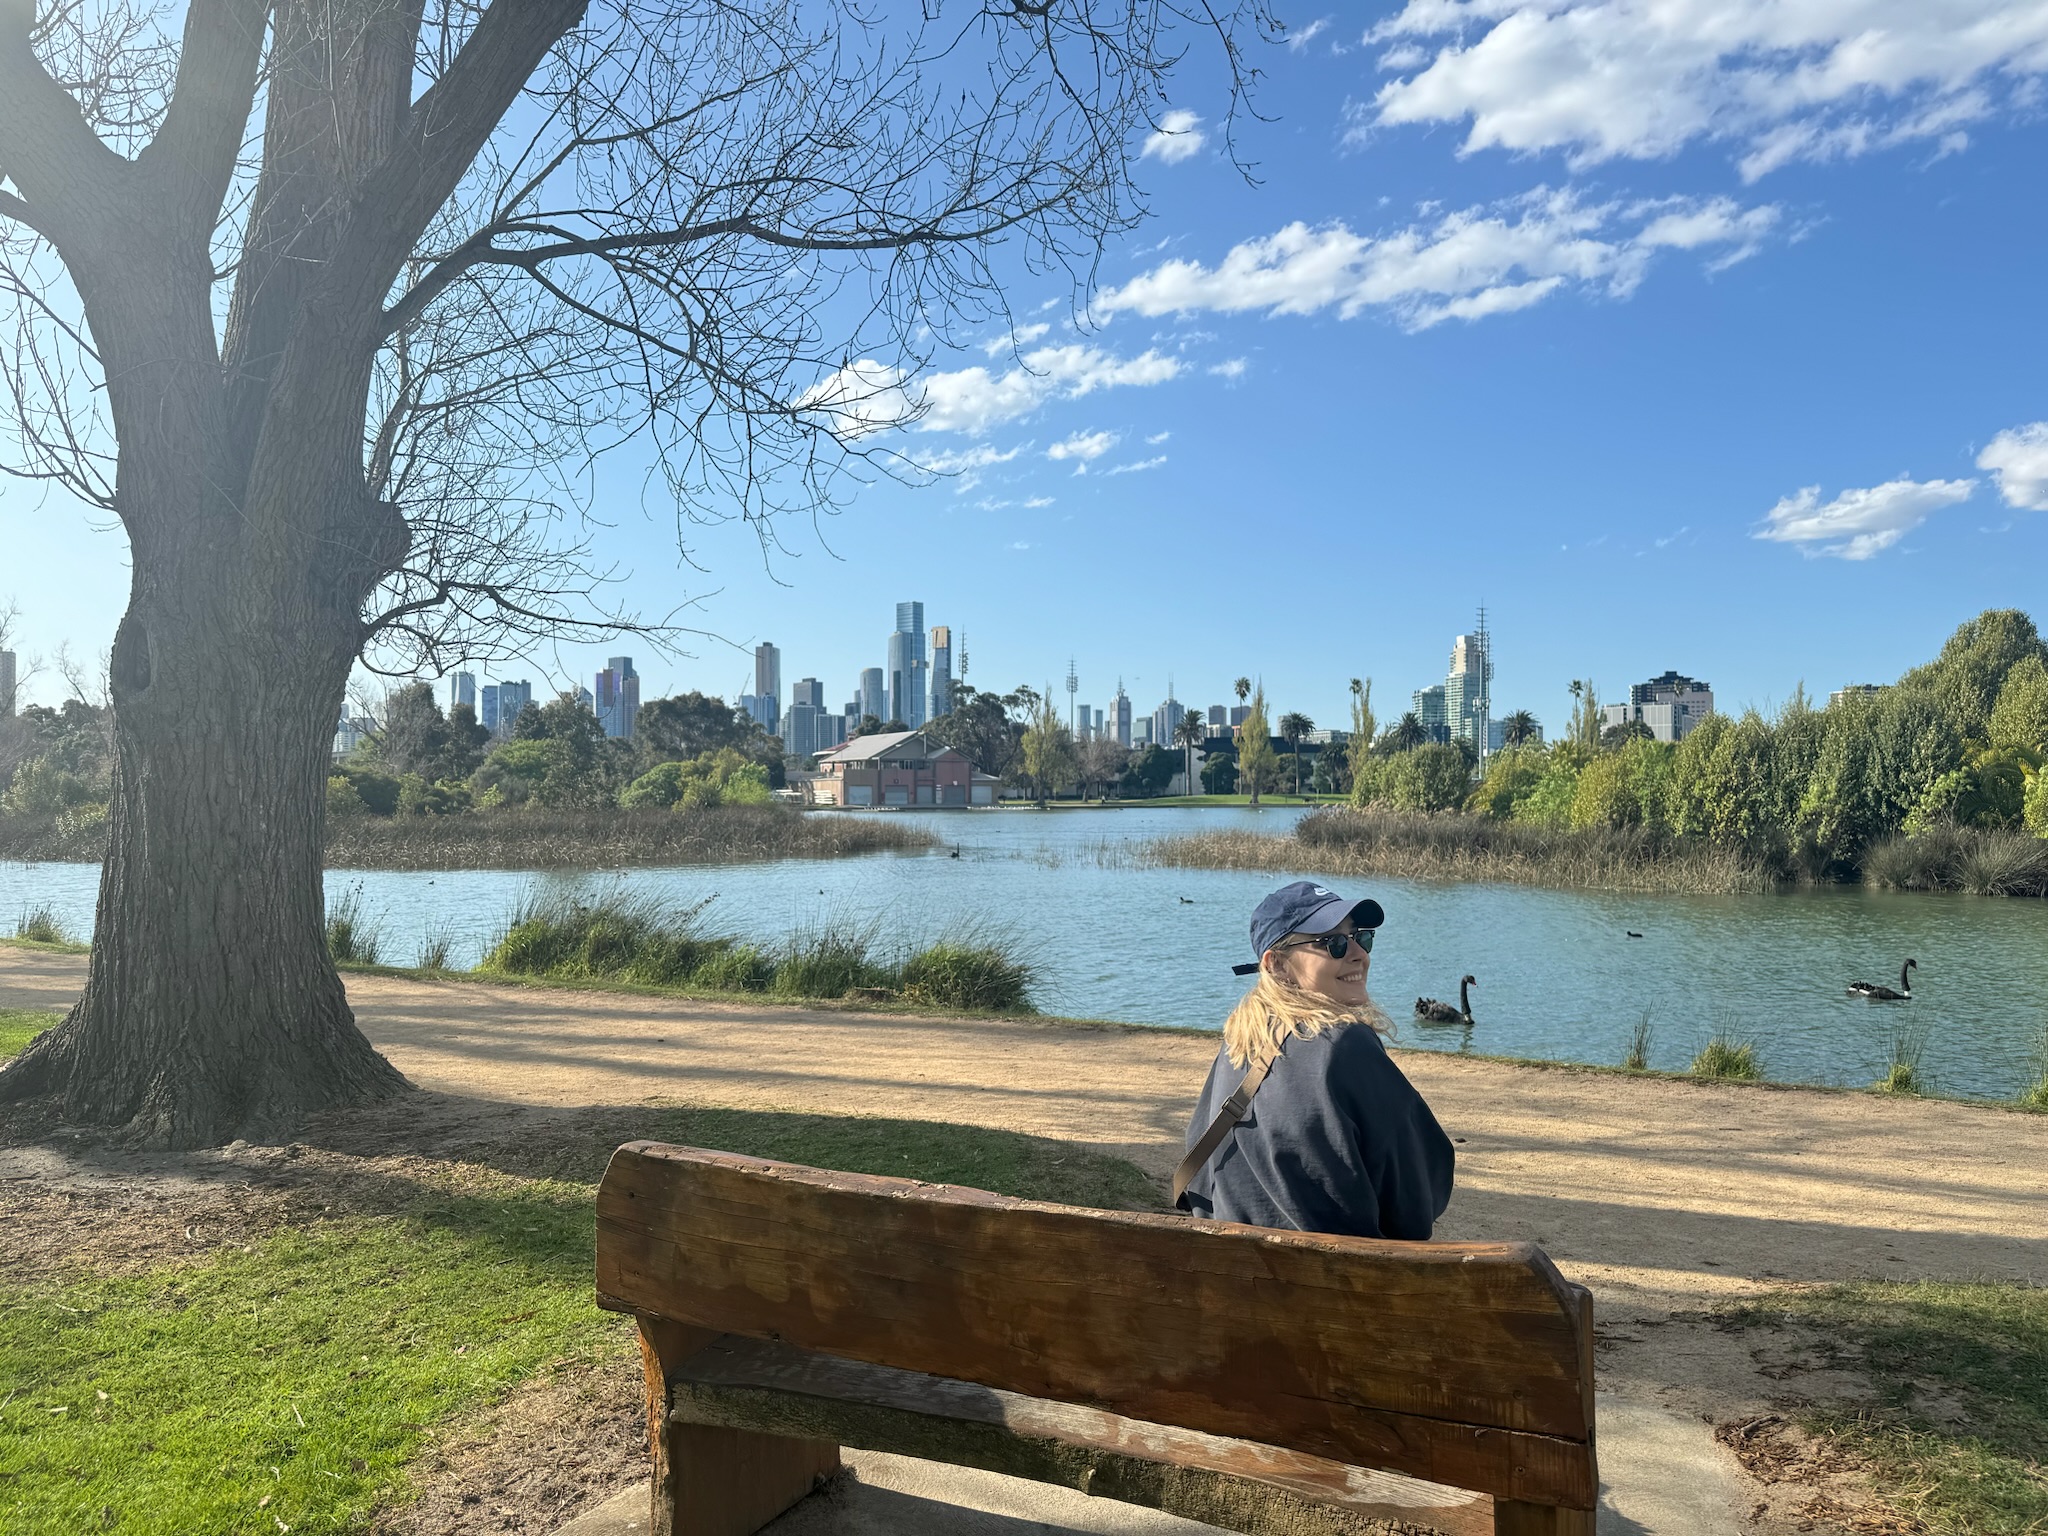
[1073, 687]
[1485, 688]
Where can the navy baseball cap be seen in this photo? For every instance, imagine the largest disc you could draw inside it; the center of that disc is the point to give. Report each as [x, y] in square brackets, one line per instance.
[1304, 907]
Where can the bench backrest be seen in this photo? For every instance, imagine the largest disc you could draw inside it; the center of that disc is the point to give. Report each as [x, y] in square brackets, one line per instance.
[1468, 1364]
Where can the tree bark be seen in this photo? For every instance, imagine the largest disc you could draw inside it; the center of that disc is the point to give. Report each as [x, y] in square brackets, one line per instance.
[213, 1010]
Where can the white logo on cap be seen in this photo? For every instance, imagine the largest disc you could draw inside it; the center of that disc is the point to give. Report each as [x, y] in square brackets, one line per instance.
[1320, 891]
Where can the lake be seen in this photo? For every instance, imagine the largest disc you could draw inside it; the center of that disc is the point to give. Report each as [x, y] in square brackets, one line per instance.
[1558, 976]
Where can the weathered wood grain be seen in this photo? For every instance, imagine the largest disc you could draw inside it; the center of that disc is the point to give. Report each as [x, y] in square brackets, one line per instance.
[1460, 1364]
[716, 1480]
[1235, 1484]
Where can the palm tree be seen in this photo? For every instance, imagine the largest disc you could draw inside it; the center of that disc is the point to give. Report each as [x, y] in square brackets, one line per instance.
[1190, 732]
[1409, 734]
[1293, 726]
[1519, 729]
[1243, 688]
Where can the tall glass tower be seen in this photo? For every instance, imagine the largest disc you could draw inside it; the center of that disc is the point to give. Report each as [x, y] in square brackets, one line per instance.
[909, 674]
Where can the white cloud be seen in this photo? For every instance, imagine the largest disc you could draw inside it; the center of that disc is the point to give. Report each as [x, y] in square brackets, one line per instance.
[1778, 81]
[2018, 459]
[1178, 137]
[1156, 439]
[1229, 368]
[1859, 524]
[1461, 265]
[1300, 40]
[1023, 336]
[1020, 544]
[964, 460]
[1035, 502]
[1139, 467]
[1086, 446]
[866, 396]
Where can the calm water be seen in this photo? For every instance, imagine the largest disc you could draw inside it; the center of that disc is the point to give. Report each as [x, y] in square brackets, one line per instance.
[1557, 975]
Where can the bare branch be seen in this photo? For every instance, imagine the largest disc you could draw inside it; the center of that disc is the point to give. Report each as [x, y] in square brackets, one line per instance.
[46, 148]
[219, 66]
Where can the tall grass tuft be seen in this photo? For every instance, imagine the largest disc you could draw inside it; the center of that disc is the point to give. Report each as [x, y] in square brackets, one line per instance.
[987, 975]
[736, 968]
[435, 949]
[831, 959]
[611, 935]
[1902, 1065]
[350, 937]
[2035, 1095]
[39, 925]
[1638, 1057]
[1999, 861]
[1728, 1060]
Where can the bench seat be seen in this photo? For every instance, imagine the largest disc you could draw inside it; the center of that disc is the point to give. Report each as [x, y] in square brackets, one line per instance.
[1262, 1490]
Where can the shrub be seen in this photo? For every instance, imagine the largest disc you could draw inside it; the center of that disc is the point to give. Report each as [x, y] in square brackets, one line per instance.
[41, 788]
[989, 977]
[343, 803]
[39, 925]
[349, 937]
[1727, 1059]
[2004, 862]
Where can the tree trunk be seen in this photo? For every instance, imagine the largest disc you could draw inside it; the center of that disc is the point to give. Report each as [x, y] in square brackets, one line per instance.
[212, 1009]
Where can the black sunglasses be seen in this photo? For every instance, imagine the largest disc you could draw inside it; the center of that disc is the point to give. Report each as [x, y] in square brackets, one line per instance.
[1338, 945]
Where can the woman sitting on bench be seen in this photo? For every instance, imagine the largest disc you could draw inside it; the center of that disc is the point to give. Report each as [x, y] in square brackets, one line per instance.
[1338, 1139]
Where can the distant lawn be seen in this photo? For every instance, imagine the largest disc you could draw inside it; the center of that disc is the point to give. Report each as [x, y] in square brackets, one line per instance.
[18, 1026]
[1958, 1432]
[288, 1386]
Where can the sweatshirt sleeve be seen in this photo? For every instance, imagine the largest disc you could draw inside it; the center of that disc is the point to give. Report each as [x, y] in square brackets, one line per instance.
[1404, 1153]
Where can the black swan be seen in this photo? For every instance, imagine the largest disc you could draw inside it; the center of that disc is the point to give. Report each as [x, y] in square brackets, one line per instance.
[1883, 994]
[1434, 1012]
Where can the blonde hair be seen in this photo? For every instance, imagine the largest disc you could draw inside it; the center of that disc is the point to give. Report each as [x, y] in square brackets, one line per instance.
[1276, 1010]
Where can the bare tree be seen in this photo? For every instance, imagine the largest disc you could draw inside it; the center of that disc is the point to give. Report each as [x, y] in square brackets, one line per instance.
[335, 307]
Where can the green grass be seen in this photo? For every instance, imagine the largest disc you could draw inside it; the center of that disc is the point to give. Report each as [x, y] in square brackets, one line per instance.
[1726, 1060]
[18, 1026]
[611, 935]
[291, 1383]
[1956, 1433]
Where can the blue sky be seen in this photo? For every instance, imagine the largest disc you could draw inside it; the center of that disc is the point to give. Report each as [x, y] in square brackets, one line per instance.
[1707, 337]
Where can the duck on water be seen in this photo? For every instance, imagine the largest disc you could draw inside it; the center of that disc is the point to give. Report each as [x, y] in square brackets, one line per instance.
[1879, 993]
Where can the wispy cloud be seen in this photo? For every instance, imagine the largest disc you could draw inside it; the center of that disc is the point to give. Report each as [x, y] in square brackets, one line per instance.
[1308, 34]
[1860, 523]
[1139, 467]
[2018, 460]
[1229, 368]
[867, 396]
[1178, 137]
[1156, 439]
[1022, 337]
[1462, 265]
[1086, 446]
[1776, 82]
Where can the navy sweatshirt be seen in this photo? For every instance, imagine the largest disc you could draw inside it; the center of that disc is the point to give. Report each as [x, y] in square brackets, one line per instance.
[1337, 1140]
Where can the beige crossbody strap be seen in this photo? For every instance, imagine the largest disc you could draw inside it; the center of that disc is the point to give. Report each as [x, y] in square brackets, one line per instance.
[1234, 1109]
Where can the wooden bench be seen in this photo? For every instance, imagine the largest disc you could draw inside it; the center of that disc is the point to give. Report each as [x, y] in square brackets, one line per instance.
[1275, 1383]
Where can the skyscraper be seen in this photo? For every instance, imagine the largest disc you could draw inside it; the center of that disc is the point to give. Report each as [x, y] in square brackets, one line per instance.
[617, 699]
[7, 684]
[1166, 718]
[942, 670]
[909, 677]
[1120, 715]
[1465, 689]
[768, 687]
[874, 695]
[804, 732]
[501, 705]
[462, 689]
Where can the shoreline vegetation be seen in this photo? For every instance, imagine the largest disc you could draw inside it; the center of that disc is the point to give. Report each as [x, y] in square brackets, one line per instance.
[539, 838]
[1460, 846]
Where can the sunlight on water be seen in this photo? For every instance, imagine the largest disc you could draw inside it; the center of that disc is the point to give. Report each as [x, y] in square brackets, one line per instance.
[1558, 976]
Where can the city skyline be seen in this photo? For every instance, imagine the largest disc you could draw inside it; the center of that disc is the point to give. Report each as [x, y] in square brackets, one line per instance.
[1657, 410]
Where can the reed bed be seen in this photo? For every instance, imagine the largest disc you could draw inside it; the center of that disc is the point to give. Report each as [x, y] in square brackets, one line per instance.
[617, 936]
[352, 936]
[1415, 846]
[1998, 862]
[537, 839]
[39, 925]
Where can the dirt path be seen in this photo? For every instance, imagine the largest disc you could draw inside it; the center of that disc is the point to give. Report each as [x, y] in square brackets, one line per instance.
[1664, 1197]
